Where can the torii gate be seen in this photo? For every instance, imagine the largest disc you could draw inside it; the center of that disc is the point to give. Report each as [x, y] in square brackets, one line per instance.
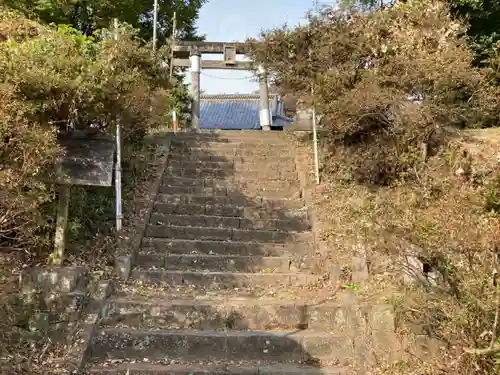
[188, 55]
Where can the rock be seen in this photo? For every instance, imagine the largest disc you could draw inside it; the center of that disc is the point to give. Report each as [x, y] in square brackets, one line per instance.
[104, 290]
[40, 322]
[123, 266]
[413, 270]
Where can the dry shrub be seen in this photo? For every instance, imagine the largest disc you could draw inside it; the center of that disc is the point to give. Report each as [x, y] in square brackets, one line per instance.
[14, 27]
[57, 80]
[389, 83]
[27, 152]
[449, 219]
[384, 82]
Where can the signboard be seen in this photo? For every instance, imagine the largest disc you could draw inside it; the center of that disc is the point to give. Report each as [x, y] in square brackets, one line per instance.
[86, 161]
[229, 55]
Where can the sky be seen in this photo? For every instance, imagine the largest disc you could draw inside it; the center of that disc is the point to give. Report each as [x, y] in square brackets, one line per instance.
[235, 21]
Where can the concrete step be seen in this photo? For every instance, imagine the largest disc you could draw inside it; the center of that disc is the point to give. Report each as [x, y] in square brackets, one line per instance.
[231, 166]
[197, 368]
[226, 234]
[274, 189]
[232, 200]
[220, 280]
[234, 135]
[278, 191]
[185, 144]
[173, 188]
[64, 306]
[228, 183]
[236, 141]
[207, 290]
[252, 213]
[232, 263]
[234, 313]
[170, 246]
[188, 345]
[249, 152]
[262, 174]
[201, 155]
[293, 224]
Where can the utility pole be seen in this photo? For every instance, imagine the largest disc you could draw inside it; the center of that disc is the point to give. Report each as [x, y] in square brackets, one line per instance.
[315, 138]
[155, 22]
[174, 31]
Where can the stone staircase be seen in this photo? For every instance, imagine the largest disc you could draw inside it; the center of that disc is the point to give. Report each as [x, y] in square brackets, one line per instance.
[218, 280]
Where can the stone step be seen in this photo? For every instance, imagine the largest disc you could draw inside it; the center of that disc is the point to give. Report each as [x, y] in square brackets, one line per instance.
[231, 136]
[252, 213]
[235, 313]
[232, 200]
[57, 307]
[197, 368]
[171, 187]
[58, 280]
[201, 155]
[248, 190]
[293, 224]
[183, 144]
[232, 263]
[207, 186]
[222, 183]
[185, 345]
[226, 234]
[220, 280]
[250, 152]
[233, 174]
[231, 166]
[170, 246]
[206, 290]
[223, 145]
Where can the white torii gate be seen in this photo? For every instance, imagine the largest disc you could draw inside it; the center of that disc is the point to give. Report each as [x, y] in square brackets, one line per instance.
[188, 55]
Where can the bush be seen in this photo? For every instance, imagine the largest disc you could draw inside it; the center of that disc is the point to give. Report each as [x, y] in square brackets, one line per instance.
[385, 82]
[396, 88]
[57, 80]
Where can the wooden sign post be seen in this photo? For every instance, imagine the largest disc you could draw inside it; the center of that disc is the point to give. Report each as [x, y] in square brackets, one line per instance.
[87, 161]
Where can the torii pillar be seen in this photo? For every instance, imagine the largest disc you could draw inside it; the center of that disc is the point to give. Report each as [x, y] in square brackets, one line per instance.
[264, 112]
[195, 63]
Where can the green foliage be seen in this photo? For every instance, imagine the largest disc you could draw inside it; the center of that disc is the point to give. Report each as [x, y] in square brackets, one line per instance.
[57, 78]
[484, 20]
[91, 15]
[352, 287]
[482, 17]
[492, 195]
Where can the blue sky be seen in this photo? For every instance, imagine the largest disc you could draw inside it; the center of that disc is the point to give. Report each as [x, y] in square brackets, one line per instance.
[236, 20]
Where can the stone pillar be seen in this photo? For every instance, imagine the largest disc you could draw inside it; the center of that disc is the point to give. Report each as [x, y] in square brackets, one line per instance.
[265, 114]
[195, 65]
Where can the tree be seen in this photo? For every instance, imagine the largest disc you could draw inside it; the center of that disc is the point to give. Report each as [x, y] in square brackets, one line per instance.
[365, 67]
[90, 15]
[483, 17]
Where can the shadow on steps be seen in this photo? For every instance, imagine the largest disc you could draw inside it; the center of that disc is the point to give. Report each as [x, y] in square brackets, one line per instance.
[216, 288]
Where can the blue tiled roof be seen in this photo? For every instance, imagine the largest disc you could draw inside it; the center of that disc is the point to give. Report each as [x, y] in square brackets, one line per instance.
[237, 112]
